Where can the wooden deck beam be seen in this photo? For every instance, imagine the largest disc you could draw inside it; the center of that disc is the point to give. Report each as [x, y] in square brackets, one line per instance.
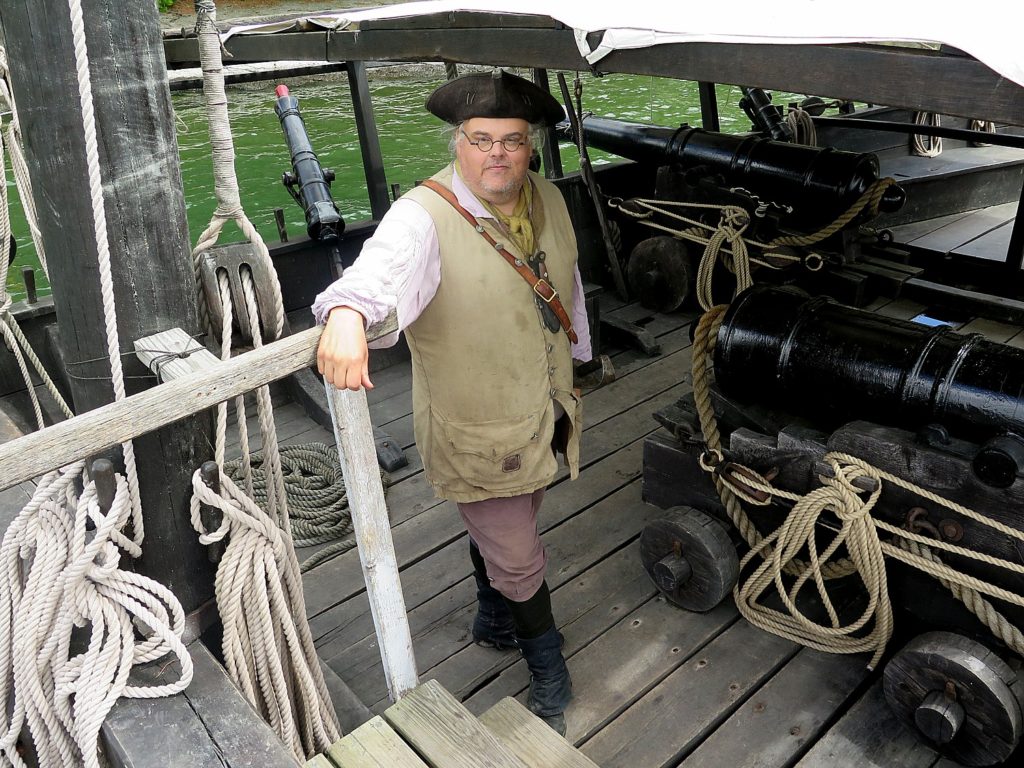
[914, 78]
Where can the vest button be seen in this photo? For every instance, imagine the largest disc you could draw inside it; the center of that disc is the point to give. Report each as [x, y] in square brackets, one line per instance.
[551, 392]
[551, 348]
[551, 371]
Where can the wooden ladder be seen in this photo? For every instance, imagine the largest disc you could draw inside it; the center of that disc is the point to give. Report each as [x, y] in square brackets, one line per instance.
[430, 728]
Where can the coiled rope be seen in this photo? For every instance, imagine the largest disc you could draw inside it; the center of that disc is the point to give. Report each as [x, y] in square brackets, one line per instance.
[59, 575]
[801, 126]
[268, 647]
[926, 146]
[318, 505]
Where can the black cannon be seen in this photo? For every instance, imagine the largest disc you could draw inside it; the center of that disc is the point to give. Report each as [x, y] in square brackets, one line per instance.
[798, 377]
[834, 363]
[308, 182]
[817, 183]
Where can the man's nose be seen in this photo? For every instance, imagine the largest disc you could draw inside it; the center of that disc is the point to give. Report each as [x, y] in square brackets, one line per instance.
[498, 149]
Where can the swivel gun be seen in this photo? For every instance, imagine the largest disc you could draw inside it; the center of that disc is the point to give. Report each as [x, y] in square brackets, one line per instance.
[308, 182]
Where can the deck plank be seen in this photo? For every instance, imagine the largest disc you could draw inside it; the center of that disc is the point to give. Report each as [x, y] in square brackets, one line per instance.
[534, 742]
[655, 733]
[786, 715]
[373, 745]
[957, 233]
[445, 733]
[869, 736]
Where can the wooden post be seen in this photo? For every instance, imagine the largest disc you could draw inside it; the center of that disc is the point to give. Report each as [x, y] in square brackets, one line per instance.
[354, 435]
[154, 288]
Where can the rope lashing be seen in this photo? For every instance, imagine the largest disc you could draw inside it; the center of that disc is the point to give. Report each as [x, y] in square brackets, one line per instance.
[268, 647]
[61, 563]
[841, 495]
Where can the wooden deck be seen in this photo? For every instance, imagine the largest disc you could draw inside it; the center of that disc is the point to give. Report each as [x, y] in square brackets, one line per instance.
[655, 686]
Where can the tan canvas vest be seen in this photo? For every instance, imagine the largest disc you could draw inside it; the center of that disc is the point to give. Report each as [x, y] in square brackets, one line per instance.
[485, 368]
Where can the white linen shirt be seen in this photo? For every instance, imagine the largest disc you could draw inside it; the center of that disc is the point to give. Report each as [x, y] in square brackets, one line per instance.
[399, 269]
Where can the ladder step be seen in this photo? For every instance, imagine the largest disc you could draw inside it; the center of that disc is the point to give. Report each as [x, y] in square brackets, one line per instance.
[445, 733]
[372, 745]
[532, 739]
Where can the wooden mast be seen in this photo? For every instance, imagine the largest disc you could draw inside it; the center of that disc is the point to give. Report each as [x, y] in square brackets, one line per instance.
[154, 286]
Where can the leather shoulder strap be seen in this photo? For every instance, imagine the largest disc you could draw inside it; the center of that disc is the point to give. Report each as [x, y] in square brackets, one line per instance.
[540, 286]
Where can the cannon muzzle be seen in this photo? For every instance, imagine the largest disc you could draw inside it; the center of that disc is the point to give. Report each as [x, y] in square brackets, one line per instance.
[308, 182]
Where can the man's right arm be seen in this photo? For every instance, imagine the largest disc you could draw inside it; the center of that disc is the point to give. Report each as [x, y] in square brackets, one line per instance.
[398, 271]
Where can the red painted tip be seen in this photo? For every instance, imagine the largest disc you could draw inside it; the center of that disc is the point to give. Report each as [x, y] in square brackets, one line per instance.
[282, 90]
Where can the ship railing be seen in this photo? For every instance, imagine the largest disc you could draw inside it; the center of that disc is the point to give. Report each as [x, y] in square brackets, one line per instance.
[95, 431]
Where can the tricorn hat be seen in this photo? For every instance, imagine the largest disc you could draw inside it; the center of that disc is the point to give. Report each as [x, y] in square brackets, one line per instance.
[498, 94]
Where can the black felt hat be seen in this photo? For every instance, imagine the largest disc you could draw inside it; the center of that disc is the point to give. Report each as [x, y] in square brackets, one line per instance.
[498, 94]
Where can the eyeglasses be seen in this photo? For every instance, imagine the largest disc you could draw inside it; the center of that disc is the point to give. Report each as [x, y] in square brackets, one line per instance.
[485, 144]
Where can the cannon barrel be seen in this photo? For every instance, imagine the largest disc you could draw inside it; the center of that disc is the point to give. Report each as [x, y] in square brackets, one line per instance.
[323, 221]
[821, 359]
[820, 183]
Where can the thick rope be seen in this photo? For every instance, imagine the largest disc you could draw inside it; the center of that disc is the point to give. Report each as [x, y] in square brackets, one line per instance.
[859, 532]
[18, 164]
[61, 559]
[268, 647]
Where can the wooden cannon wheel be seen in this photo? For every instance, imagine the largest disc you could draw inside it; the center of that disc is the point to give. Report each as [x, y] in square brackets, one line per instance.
[690, 558]
[659, 273]
[960, 695]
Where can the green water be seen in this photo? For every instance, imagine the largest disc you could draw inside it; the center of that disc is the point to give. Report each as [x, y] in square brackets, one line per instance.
[410, 138]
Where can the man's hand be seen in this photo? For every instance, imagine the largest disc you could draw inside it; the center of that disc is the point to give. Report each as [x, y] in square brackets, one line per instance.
[342, 356]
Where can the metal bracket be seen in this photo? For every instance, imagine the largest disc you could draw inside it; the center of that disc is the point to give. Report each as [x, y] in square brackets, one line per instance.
[232, 259]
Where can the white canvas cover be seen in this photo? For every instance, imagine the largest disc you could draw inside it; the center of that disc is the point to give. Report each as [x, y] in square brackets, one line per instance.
[990, 30]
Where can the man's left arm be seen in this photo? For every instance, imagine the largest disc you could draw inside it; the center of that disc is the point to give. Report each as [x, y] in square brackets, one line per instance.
[581, 350]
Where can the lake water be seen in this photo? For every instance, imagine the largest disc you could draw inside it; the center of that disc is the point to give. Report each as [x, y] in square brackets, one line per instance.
[411, 142]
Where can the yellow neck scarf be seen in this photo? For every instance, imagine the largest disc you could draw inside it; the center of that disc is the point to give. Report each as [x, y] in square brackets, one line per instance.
[518, 225]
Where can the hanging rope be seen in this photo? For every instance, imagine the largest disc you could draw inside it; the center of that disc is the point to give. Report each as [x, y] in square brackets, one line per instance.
[801, 126]
[843, 496]
[20, 347]
[926, 146]
[61, 559]
[18, 164]
[268, 648]
[985, 126]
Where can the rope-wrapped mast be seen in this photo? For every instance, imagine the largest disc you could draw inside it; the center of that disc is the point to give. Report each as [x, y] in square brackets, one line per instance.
[149, 247]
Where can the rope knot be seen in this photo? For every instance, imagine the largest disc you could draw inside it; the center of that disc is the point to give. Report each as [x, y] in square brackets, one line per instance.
[733, 223]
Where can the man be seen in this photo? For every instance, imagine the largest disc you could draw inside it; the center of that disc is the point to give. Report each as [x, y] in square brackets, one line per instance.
[480, 265]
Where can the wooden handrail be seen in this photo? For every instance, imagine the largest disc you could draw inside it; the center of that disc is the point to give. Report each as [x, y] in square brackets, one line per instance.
[94, 431]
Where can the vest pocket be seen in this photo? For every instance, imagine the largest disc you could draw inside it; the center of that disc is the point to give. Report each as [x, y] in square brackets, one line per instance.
[494, 451]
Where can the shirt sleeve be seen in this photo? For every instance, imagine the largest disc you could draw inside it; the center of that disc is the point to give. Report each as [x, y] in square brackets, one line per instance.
[398, 269]
[582, 350]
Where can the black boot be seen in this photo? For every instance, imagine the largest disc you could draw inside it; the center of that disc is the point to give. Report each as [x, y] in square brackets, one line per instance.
[541, 644]
[493, 626]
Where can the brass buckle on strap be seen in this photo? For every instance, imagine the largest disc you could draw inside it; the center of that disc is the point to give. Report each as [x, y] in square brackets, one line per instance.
[549, 286]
